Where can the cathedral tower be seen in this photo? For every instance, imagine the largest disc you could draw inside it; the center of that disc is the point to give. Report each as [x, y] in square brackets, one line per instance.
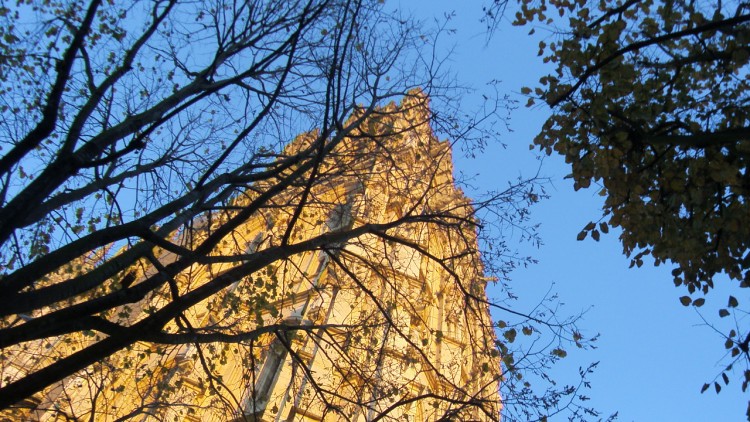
[355, 293]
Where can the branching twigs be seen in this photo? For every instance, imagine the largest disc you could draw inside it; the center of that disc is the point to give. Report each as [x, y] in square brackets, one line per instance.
[51, 109]
[638, 45]
[183, 197]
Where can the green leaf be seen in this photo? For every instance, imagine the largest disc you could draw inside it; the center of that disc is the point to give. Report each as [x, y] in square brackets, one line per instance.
[733, 302]
[508, 360]
[510, 335]
[559, 353]
[740, 56]
[685, 300]
[704, 388]
[723, 313]
[699, 302]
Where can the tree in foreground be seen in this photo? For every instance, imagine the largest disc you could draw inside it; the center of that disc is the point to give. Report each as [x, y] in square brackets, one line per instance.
[356, 293]
[182, 182]
[649, 105]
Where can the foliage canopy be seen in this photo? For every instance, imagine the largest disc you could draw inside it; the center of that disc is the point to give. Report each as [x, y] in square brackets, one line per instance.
[650, 107]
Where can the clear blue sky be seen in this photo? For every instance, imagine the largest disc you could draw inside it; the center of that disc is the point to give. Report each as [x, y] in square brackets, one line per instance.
[654, 353]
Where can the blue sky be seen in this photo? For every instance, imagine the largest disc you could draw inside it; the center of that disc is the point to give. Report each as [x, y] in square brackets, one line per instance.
[654, 353]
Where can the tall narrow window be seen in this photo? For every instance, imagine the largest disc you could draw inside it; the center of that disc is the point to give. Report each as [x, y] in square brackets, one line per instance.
[269, 374]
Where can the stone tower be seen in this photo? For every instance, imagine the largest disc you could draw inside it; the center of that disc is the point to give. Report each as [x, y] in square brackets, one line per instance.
[378, 313]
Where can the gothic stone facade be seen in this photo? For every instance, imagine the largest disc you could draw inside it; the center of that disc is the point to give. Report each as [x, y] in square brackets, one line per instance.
[387, 325]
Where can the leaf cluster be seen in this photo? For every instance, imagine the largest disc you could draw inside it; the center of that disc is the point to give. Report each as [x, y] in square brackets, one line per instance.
[650, 107]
